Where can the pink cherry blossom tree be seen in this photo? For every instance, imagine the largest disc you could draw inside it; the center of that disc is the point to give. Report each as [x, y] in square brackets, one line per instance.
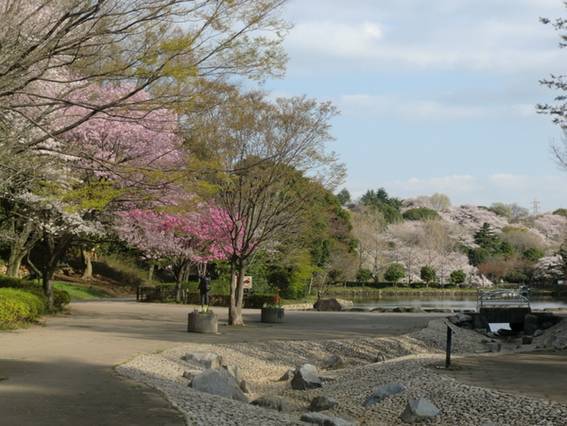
[180, 240]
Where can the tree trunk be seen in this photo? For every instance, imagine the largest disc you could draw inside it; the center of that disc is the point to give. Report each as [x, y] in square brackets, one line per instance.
[23, 240]
[236, 294]
[14, 263]
[87, 263]
[151, 272]
[47, 287]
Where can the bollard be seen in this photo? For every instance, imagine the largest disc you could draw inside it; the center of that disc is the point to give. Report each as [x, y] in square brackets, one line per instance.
[448, 347]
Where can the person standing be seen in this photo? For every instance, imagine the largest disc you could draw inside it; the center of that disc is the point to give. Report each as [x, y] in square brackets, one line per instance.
[204, 287]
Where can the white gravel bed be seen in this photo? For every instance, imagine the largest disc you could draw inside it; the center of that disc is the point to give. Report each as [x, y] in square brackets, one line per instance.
[460, 404]
[407, 360]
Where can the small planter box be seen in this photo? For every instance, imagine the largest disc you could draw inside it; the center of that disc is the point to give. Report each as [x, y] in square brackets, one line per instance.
[202, 322]
[273, 315]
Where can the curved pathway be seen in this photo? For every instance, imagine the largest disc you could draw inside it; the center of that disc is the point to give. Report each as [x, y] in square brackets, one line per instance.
[62, 373]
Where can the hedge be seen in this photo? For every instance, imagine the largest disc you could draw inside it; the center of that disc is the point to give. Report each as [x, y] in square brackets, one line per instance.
[18, 307]
[60, 297]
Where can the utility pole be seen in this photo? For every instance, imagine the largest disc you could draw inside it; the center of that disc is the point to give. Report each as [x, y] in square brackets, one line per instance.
[535, 206]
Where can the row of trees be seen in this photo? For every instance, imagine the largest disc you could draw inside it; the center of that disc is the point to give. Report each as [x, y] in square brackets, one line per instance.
[121, 119]
[425, 234]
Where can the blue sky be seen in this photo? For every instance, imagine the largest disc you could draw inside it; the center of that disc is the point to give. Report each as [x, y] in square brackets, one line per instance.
[435, 95]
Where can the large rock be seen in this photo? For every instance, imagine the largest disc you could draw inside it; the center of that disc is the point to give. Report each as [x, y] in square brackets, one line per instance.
[287, 376]
[218, 382]
[204, 359]
[324, 420]
[321, 403]
[272, 403]
[380, 393]
[234, 371]
[531, 324]
[305, 377]
[333, 305]
[245, 387]
[333, 362]
[419, 410]
[461, 319]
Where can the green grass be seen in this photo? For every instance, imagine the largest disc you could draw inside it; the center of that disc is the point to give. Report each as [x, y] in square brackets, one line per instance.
[81, 292]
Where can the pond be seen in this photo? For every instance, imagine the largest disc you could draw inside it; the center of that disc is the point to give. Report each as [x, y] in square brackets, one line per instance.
[448, 302]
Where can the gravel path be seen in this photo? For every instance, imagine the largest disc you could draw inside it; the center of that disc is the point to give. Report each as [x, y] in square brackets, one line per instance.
[410, 360]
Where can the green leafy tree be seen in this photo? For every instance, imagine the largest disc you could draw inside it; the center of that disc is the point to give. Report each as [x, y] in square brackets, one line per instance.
[364, 275]
[439, 201]
[486, 238]
[394, 273]
[381, 201]
[533, 254]
[428, 274]
[420, 213]
[344, 197]
[457, 277]
[561, 212]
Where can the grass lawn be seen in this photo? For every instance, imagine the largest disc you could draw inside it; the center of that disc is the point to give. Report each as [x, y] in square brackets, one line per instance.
[81, 291]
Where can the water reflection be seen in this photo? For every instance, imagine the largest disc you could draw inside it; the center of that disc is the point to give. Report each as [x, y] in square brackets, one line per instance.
[449, 302]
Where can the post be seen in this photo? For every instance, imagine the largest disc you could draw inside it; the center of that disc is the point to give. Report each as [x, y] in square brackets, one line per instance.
[448, 348]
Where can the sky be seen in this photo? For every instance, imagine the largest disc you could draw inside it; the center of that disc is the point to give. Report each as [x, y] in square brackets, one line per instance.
[435, 95]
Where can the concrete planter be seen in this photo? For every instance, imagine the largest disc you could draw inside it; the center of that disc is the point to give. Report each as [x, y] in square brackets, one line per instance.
[202, 322]
[272, 315]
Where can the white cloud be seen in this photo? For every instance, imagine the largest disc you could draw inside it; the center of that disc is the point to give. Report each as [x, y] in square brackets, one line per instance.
[426, 109]
[336, 39]
[413, 34]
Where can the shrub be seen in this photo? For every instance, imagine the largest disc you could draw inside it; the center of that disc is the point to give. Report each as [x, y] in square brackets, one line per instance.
[60, 297]
[420, 213]
[457, 277]
[533, 254]
[364, 275]
[18, 307]
[395, 272]
[6, 281]
[428, 274]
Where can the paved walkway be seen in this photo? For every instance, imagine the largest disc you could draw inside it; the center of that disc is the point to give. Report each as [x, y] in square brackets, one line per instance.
[62, 374]
[540, 374]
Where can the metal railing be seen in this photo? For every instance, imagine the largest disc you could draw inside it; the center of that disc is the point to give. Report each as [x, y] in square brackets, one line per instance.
[503, 298]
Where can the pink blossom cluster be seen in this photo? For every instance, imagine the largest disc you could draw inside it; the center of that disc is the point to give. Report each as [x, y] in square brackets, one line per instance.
[164, 235]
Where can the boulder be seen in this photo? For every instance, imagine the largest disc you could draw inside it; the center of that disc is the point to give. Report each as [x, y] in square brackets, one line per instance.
[234, 371]
[419, 410]
[380, 393]
[245, 387]
[321, 403]
[272, 403]
[538, 333]
[305, 377]
[380, 358]
[531, 324]
[333, 305]
[494, 346]
[560, 342]
[218, 382]
[204, 359]
[324, 420]
[333, 362]
[287, 376]
[189, 374]
[461, 319]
